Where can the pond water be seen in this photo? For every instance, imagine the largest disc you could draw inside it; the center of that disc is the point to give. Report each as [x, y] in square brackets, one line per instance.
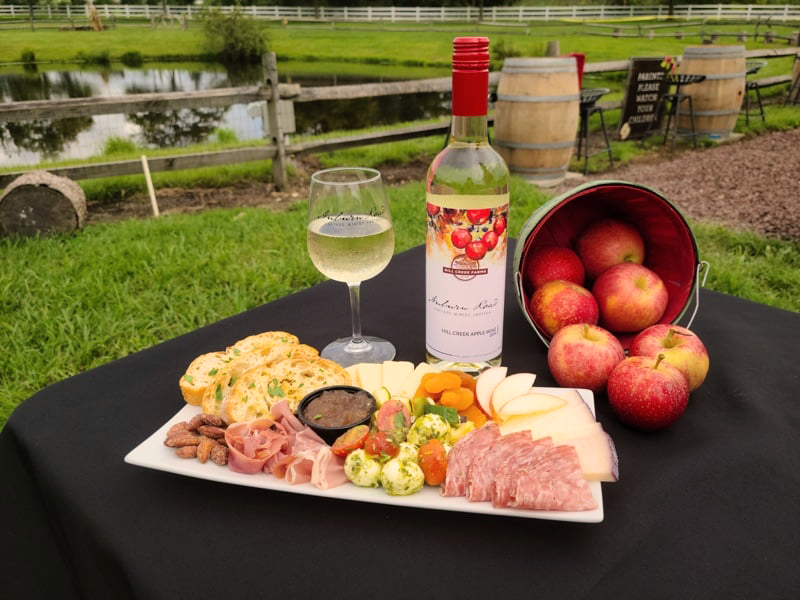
[31, 142]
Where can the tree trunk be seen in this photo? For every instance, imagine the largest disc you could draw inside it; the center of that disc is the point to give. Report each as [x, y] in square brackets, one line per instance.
[40, 203]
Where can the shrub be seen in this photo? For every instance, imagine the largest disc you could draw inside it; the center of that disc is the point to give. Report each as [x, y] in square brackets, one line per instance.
[233, 37]
[132, 59]
[28, 59]
[101, 57]
[118, 145]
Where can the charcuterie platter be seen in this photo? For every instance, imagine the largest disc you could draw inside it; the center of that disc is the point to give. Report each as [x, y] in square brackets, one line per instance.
[153, 454]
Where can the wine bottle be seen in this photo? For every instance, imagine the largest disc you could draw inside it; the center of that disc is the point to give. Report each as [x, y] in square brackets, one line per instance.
[467, 193]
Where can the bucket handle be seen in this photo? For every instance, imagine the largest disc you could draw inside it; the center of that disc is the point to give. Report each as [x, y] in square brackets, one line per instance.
[701, 274]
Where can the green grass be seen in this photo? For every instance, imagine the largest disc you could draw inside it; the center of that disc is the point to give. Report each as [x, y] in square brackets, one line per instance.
[74, 302]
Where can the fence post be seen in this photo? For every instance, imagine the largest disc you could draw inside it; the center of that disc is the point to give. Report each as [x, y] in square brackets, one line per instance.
[270, 66]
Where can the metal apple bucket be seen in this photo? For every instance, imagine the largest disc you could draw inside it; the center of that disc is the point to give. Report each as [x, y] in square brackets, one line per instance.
[670, 246]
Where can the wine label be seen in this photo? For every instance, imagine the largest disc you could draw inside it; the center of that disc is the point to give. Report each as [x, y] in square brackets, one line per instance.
[465, 271]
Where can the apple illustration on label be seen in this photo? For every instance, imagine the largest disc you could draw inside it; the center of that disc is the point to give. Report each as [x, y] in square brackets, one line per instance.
[583, 356]
[559, 303]
[608, 242]
[630, 297]
[681, 348]
[548, 263]
[647, 393]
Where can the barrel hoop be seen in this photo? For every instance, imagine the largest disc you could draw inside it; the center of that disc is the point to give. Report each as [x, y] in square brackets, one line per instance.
[526, 65]
[712, 113]
[739, 75]
[704, 53]
[524, 146]
[537, 171]
[535, 70]
[565, 98]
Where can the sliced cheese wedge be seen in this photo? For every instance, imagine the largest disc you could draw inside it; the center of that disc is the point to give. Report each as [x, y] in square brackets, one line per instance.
[560, 424]
[369, 375]
[598, 456]
[410, 384]
[352, 370]
[394, 372]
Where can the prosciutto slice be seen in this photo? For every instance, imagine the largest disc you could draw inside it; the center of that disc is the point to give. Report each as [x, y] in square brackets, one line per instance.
[461, 456]
[251, 444]
[553, 483]
[284, 447]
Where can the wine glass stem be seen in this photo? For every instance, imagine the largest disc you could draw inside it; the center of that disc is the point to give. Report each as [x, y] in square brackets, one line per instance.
[355, 311]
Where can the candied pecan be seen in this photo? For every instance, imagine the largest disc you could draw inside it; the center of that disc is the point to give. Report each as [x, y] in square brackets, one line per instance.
[211, 431]
[182, 438]
[212, 420]
[194, 422]
[219, 454]
[204, 448]
[186, 451]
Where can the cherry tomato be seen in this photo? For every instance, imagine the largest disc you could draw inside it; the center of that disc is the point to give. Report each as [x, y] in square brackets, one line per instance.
[479, 216]
[381, 445]
[350, 440]
[476, 250]
[433, 461]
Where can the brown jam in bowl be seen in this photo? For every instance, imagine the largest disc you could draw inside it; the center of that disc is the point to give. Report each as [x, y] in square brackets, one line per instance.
[338, 408]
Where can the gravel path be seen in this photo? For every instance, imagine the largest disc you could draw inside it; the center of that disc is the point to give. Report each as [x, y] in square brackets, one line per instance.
[751, 184]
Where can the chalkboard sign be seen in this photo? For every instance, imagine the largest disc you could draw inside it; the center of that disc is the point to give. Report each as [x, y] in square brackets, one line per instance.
[647, 83]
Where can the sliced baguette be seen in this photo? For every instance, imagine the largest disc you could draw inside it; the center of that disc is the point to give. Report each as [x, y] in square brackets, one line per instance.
[199, 375]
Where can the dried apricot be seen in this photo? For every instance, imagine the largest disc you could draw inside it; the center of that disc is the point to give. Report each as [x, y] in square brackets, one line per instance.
[459, 398]
[436, 383]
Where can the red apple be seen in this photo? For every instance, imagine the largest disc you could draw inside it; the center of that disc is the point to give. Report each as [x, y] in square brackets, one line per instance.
[548, 263]
[681, 348]
[559, 303]
[647, 393]
[608, 242]
[631, 297]
[583, 356]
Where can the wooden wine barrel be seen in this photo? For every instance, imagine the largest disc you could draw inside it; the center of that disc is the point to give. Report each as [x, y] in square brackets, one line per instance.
[718, 99]
[41, 203]
[536, 117]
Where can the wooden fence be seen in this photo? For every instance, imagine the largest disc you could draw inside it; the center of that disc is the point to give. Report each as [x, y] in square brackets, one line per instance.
[276, 148]
[420, 14]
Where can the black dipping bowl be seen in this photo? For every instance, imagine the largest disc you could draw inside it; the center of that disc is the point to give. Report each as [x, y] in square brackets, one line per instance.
[329, 434]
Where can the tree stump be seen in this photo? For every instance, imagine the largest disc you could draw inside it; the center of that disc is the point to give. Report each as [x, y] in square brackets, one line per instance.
[40, 203]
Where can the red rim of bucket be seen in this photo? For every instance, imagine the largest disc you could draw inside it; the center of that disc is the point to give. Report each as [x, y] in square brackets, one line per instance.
[670, 247]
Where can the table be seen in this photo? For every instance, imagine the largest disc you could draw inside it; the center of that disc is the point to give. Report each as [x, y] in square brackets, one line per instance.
[705, 509]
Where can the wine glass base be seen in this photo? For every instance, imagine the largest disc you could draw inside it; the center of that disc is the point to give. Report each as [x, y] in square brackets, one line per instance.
[346, 352]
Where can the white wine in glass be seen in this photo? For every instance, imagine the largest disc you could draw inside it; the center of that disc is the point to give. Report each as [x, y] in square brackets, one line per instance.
[350, 239]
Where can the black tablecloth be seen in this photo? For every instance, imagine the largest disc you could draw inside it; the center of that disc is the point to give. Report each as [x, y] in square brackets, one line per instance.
[706, 509]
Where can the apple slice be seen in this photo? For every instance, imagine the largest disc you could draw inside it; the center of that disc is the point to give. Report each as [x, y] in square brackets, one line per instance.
[533, 403]
[484, 387]
[509, 388]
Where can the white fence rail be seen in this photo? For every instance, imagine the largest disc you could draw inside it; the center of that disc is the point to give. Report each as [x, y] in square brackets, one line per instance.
[420, 14]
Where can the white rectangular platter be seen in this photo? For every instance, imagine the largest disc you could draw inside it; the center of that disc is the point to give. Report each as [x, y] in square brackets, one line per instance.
[153, 454]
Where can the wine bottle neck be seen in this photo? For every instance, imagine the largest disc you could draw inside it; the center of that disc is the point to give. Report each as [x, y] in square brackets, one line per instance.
[469, 129]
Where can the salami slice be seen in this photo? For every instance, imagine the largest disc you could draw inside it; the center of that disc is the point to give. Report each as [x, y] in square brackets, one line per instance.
[526, 455]
[480, 477]
[553, 483]
[461, 456]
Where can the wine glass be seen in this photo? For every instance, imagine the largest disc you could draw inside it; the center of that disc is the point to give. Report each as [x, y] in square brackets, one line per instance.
[350, 239]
